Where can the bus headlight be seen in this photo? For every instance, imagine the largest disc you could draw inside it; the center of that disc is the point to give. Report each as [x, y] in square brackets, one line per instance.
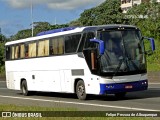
[144, 83]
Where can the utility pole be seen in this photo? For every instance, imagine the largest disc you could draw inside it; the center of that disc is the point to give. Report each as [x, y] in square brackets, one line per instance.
[132, 3]
[32, 16]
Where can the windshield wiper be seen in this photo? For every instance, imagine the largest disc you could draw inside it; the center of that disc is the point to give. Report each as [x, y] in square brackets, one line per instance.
[119, 66]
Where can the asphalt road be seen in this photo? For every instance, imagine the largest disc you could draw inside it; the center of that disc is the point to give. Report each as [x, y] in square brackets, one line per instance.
[148, 100]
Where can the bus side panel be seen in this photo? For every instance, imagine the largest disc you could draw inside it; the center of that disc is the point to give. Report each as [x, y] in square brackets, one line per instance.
[68, 81]
[91, 83]
[10, 80]
[46, 81]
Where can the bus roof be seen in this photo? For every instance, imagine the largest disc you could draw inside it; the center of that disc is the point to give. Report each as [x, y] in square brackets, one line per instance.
[68, 30]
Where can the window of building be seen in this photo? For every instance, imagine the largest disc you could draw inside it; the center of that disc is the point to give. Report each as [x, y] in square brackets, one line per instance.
[57, 46]
[43, 48]
[71, 43]
[32, 50]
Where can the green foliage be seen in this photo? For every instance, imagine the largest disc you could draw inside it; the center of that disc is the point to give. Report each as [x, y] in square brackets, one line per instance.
[2, 51]
[109, 12]
[153, 60]
[147, 17]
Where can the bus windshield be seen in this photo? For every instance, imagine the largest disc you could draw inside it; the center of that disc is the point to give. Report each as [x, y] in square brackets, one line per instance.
[124, 51]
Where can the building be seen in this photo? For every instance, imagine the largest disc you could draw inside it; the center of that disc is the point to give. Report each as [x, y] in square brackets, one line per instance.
[127, 4]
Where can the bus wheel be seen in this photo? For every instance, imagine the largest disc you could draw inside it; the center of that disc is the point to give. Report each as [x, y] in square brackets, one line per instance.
[24, 88]
[120, 95]
[80, 90]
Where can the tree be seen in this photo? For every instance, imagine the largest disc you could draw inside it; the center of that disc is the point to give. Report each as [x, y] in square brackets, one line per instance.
[22, 34]
[109, 12]
[2, 51]
[147, 17]
[41, 26]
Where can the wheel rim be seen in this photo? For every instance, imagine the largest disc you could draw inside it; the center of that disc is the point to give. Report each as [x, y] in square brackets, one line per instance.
[81, 90]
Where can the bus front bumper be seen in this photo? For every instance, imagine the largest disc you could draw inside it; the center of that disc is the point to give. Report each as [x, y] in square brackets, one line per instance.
[123, 87]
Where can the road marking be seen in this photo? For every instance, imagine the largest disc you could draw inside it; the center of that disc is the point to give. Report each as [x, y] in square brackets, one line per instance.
[79, 103]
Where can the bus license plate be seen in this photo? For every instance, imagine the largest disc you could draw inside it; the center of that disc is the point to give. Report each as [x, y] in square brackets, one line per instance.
[128, 86]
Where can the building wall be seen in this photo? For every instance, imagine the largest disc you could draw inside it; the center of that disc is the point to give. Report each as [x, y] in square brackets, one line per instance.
[127, 4]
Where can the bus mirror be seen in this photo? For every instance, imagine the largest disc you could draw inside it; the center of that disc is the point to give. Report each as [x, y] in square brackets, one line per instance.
[101, 45]
[151, 42]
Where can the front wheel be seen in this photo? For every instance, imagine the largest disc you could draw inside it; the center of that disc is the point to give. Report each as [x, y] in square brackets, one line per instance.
[24, 88]
[80, 90]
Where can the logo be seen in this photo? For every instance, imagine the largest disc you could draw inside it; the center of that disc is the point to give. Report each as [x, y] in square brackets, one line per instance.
[6, 114]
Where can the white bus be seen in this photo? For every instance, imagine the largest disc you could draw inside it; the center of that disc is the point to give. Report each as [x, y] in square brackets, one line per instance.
[107, 59]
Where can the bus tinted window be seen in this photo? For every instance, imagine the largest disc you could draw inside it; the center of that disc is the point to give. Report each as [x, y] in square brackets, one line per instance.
[43, 48]
[71, 43]
[82, 43]
[32, 50]
[8, 53]
[89, 44]
[57, 46]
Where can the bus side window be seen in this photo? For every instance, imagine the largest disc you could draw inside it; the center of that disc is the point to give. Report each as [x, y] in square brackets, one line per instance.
[71, 43]
[89, 44]
[8, 53]
[43, 48]
[13, 52]
[17, 52]
[26, 51]
[80, 49]
[22, 51]
[32, 49]
[57, 46]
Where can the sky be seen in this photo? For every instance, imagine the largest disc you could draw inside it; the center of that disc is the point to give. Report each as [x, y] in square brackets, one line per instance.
[16, 15]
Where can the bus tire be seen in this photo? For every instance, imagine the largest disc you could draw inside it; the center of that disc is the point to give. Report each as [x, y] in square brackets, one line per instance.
[24, 88]
[80, 90]
[120, 95]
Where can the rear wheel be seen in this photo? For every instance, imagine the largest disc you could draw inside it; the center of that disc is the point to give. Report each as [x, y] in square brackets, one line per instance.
[24, 88]
[80, 90]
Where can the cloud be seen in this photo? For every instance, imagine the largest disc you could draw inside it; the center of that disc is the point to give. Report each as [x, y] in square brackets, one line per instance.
[54, 4]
